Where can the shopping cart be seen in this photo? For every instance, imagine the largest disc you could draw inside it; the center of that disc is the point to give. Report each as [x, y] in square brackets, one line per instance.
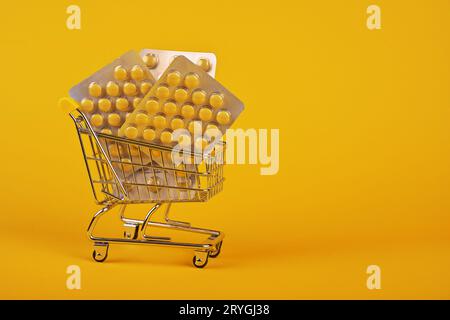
[123, 172]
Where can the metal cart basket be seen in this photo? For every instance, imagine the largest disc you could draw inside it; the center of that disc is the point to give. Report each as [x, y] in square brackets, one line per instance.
[123, 171]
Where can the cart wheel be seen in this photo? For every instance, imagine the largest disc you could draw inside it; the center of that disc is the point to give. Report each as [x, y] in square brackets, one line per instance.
[215, 253]
[100, 252]
[200, 259]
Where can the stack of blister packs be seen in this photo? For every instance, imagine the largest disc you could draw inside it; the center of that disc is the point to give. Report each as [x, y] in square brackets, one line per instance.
[167, 98]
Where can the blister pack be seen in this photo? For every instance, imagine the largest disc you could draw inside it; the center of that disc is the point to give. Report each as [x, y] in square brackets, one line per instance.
[108, 96]
[158, 60]
[185, 97]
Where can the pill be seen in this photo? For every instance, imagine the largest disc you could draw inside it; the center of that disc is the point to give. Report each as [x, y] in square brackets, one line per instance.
[114, 150]
[134, 151]
[120, 73]
[97, 120]
[195, 127]
[166, 137]
[149, 134]
[87, 105]
[191, 80]
[204, 63]
[212, 131]
[216, 100]
[223, 117]
[150, 60]
[198, 97]
[122, 104]
[112, 89]
[95, 90]
[104, 105]
[173, 78]
[159, 122]
[155, 154]
[137, 73]
[114, 120]
[141, 119]
[129, 89]
[145, 87]
[200, 144]
[180, 95]
[187, 111]
[125, 166]
[177, 123]
[127, 115]
[170, 108]
[205, 114]
[106, 131]
[136, 102]
[131, 132]
[152, 106]
[184, 140]
[162, 92]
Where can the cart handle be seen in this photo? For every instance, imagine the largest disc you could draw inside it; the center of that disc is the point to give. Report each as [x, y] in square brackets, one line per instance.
[71, 106]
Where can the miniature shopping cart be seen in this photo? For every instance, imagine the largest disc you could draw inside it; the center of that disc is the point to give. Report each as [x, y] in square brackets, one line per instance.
[123, 171]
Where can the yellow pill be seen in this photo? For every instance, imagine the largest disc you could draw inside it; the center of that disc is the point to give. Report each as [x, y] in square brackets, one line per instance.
[173, 78]
[198, 97]
[112, 89]
[223, 117]
[141, 119]
[122, 104]
[131, 132]
[87, 105]
[170, 108]
[180, 95]
[187, 111]
[166, 137]
[127, 167]
[191, 80]
[129, 89]
[134, 151]
[106, 131]
[150, 60]
[200, 144]
[204, 63]
[216, 100]
[149, 134]
[195, 127]
[137, 73]
[155, 154]
[136, 102]
[114, 150]
[184, 140]
[128, 115]
[212, 131]
[97, 120]
[152, 106]
[162, 92]
[159, 122]
[114, 120]
[177, 123]
[104, 105]
[120, 73]
[95, 90]
[145, 87]
[205, 114]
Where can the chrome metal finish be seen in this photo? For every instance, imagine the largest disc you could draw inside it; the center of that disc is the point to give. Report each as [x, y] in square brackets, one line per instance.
[123, 171]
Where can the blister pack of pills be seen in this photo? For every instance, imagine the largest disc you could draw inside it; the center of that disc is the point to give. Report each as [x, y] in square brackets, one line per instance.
[108, 96]
[157, 61]
[185, 97]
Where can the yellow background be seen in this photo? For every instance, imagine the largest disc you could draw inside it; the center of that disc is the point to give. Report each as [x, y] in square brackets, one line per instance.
[364, 162]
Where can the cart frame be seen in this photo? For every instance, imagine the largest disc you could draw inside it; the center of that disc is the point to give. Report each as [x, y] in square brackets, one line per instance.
[111, 185]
